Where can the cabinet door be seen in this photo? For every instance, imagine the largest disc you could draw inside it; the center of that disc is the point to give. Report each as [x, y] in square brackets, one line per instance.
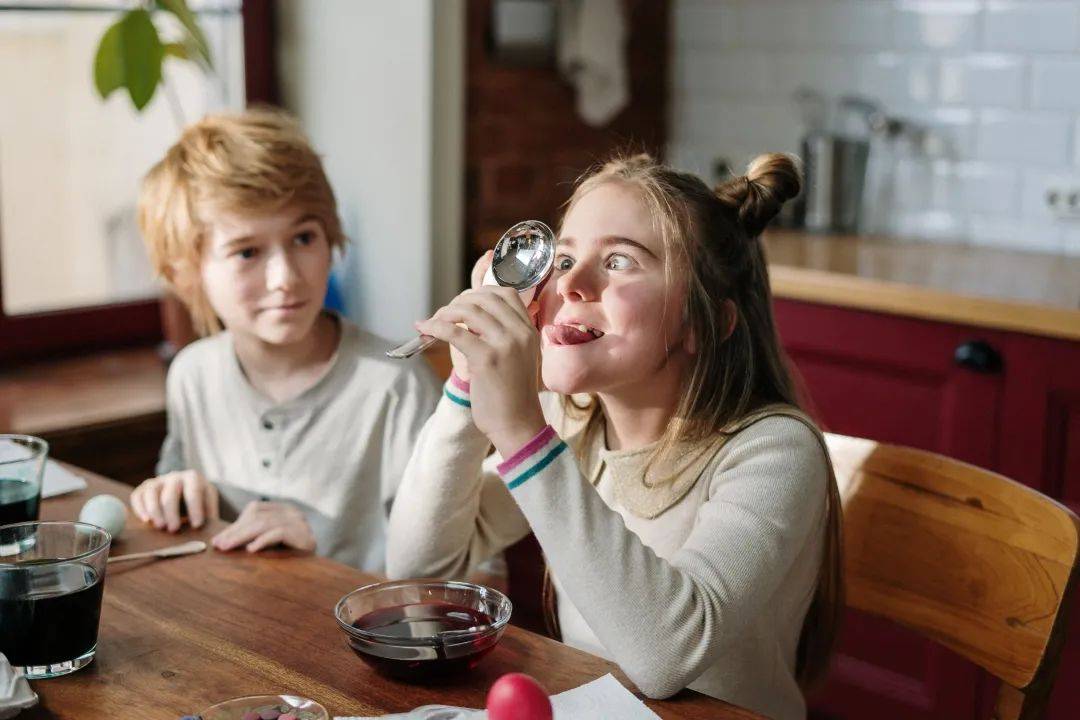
[1040, 446]
[896, 380]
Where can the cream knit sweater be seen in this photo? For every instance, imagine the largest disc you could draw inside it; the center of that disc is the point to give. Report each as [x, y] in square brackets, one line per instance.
[698, 577]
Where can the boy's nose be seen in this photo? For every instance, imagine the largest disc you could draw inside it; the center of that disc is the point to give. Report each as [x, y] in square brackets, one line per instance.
[280, 272]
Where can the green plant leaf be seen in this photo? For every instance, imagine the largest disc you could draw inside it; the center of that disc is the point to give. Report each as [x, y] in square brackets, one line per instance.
[187, 18]
[109, 62]
[142, 53]
[177, 50]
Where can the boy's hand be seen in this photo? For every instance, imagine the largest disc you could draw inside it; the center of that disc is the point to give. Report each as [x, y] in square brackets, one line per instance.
[158, 500]
[265, 524]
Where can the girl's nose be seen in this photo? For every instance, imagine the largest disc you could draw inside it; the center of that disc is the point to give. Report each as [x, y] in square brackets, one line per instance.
[578, 284]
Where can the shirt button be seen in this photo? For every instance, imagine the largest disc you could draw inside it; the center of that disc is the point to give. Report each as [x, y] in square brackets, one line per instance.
[267, 425]
[266, 462]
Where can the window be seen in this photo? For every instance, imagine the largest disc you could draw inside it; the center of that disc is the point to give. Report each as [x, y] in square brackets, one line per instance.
[73, 272]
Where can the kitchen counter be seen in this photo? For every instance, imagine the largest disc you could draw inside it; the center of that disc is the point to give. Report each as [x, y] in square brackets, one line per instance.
[1033, 293]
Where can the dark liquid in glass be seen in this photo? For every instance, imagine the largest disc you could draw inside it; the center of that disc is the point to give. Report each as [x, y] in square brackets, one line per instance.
[423, 654]
[18, 501]
[48, 614]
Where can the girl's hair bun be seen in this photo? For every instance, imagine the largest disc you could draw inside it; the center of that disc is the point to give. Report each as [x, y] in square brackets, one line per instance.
[770, 181]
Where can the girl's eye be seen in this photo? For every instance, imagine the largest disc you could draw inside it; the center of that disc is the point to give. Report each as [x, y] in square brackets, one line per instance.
[563, 263]
[305, 238]
[619, 261]
[247, 253]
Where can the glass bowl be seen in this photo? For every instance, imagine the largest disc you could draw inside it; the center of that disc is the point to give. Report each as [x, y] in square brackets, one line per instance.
[423, 630]
[264, 706]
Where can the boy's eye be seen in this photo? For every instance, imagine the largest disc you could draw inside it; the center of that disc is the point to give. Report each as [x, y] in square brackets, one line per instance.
[618, 261]
[562, 262]
[247, 253]
[305, 238]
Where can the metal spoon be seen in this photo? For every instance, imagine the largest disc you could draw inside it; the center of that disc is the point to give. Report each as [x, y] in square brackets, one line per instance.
[522, 260]
[188, 548]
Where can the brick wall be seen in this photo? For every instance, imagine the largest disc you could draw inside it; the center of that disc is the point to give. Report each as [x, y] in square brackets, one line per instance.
[525, 143]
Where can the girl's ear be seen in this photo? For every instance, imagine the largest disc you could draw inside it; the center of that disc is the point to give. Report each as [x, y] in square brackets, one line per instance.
[690, 341]
[731, 315]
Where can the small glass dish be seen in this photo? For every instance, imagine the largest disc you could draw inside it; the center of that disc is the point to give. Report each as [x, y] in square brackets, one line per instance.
[423, 630]
[251, 707]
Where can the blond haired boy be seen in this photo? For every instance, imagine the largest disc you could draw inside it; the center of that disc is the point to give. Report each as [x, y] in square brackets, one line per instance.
[284, 416]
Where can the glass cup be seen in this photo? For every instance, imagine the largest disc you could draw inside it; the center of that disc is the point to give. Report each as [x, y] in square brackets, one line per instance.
[51, 579]
[22, 462]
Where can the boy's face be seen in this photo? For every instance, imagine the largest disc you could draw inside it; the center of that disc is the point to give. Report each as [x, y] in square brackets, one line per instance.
[265, 274]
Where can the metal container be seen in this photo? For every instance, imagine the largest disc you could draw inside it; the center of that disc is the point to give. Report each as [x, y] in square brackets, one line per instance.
[835, 170]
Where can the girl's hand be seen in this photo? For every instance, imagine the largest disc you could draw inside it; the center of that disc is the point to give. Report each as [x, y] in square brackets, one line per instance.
[265, 524]
[461, 366]
[501, 349]
[157, 500]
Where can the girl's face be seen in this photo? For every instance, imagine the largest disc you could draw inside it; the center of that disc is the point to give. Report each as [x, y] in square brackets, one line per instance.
[608, 320]
[265, 275]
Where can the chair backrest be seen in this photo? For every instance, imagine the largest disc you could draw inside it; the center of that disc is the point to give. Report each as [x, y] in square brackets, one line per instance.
[967, 557]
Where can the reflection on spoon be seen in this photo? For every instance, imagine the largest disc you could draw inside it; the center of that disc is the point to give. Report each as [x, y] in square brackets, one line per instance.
[523, 258]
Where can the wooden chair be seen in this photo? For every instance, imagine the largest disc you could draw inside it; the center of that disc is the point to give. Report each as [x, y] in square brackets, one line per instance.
[972, 560]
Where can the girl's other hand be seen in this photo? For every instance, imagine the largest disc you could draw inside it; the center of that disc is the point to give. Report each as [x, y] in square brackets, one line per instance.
[461, 366]
[157, 500]
[265, 524]
[501, 347]
[480, 268]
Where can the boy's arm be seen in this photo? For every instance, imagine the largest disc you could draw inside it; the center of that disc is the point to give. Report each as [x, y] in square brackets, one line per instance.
[171, 458]
[452, 511]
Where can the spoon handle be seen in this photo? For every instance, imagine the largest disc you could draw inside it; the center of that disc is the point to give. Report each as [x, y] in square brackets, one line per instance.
[417, 344]
[188, 548]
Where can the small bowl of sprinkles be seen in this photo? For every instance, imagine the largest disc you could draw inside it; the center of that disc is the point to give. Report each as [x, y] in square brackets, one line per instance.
[264, 707]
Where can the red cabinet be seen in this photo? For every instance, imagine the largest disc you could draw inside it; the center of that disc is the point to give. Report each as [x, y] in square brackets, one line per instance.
[1001, 400]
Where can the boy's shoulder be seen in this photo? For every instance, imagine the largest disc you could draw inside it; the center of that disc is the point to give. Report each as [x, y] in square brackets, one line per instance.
[367, 352]
[200, 357]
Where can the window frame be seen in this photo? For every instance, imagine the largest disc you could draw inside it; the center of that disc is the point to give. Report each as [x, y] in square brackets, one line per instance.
[37, 336]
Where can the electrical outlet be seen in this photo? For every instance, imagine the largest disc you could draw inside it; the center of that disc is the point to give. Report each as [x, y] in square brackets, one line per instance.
[1063, 201]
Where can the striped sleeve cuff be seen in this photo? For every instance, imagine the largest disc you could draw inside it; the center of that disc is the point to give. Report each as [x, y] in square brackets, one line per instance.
[457, 390]
[536, 455]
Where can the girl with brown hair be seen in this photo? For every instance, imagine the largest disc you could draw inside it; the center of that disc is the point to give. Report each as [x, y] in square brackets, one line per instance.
[686, 507]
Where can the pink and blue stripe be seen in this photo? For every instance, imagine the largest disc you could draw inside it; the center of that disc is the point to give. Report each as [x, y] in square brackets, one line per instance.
[537, 454]
[457, 390]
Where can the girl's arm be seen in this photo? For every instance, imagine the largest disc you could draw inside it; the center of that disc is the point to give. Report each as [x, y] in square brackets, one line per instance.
[451, 511]
[664, 621]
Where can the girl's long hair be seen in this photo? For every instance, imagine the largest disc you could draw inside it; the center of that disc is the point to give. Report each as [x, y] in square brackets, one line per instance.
[712, 239]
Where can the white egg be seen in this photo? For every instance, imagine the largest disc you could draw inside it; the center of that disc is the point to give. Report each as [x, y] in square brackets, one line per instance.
[107, 512]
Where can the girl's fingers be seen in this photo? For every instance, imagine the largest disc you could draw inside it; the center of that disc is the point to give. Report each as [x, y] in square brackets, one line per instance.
[476, 318]
[460, 338]
[273, 536]
[194, 498]
[502, 303]
[480, 268]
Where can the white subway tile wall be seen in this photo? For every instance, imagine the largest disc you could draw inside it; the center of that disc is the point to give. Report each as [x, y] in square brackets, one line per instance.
[994, 84]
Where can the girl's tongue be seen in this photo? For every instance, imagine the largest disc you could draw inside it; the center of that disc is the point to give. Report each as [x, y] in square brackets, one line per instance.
[570, 335]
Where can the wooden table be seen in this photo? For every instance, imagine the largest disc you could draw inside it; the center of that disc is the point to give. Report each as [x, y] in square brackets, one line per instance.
[178, 635]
